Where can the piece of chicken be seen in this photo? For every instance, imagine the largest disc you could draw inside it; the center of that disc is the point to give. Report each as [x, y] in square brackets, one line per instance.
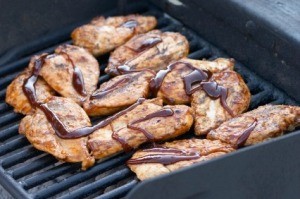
[153, 50]
[42, 136]
[172, 89]
[188, 152]
[118, 93]
[58, 71]
[209, 112]
[102, 144]
[258, 125]
[102, 35]
[15, 95]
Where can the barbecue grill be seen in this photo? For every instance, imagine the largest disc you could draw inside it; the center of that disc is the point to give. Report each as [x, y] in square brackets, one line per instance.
[266, 170]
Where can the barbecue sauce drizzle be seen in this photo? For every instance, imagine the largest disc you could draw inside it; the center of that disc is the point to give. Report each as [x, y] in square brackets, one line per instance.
[100, 94]
[60, 129]
[156, 82]
[77, 79]
[166, 112]
[130, 24]
[212, 88]
[164, 156]
[146, 44]
[161, 113]
[242, 138]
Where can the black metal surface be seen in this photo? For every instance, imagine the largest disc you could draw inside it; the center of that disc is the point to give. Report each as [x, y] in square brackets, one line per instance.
[28, 173]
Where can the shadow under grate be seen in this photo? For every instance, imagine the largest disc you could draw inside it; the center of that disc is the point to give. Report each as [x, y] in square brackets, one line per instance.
[33, 174]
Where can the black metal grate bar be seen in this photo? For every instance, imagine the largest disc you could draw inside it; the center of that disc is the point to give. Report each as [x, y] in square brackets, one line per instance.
[29, 173]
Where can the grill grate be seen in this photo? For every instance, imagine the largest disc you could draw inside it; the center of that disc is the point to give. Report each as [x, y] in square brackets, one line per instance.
[29, 173]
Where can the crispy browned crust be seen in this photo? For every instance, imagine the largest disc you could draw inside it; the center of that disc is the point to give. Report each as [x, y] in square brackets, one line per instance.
[41, 135]
[103, 35]
[123, 96]
[162, 128]
[272, 121]
[58, 71]
[16, 97]
[206, 148]
[172, 90]
[174, 46]
[209, 113]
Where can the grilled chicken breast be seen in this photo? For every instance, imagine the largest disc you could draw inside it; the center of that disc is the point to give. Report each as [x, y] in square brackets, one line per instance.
[118, 93]
[209, 112]
[172, 89]
[102, 143]
[187, 152]
[15, 95]
[258, 125]
[42, 136]
[59, 70]
[153, 50]
[102, 35]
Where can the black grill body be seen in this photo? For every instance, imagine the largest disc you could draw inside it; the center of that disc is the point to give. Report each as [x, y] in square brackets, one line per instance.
[267, 170]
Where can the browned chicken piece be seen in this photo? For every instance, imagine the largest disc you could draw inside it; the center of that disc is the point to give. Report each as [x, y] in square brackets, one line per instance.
[210, 112]
[42, 136]
[174, 155]
[16, 97]
[153, 50]
[172, 89]
[118, 93]
[59, 70]
[258, 125]
[130, 132]
[103, 35]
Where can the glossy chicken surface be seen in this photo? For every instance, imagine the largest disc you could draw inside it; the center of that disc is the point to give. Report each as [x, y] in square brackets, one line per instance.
[153, 50]
[102, 35]
[262, 124]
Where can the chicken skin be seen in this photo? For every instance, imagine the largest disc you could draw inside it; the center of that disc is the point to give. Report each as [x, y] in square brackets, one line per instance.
[172, 89]
[15, 95]
[146, 122]
[161, 159]
[212, 111]
[118, 93]
[42, 136]
[258, 125]
[59, 72]
[153, 50]
[102, 35]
